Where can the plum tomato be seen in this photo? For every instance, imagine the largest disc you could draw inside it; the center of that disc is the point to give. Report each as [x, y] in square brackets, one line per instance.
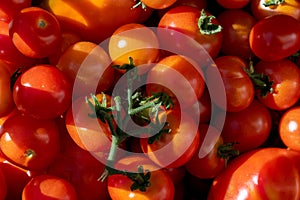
[35, 32]
[42, 91]
[29, 142]
[46, 186]
[270, 42]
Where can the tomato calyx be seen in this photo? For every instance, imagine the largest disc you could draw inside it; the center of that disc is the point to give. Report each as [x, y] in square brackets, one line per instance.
[260, 81]
[206, 26]
[29, 153]
[273, 3]
[227, 151]
[139, 3]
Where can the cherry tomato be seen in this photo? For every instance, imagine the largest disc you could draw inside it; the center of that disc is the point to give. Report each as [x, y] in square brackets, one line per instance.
[24, 140]
[8, 8]
[233, 4]
[252, 175]
[3, 188]
[6, 99]
[289, 128]
[270, 42]
[238, 86]
[286, 82]
[87, 65]
[264, 8]
[236, 26]
[45, 187]
[42, 91]
[35, 32]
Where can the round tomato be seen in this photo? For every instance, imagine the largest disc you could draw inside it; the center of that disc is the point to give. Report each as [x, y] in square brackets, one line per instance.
[43, 91]
[236, 25]
[289, 128]
[24, 140]
[233, 4]
[35, 32]
[45, 187]
[160, 4]
[8, 8]
[264, 8]
[6, 99]
[285, 76]
[270, 42]
[3, 188]
[239, 88]
[267, 173]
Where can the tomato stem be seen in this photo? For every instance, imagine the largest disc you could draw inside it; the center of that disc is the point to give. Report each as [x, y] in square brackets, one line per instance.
[206, 26]
[273, 2]
[226, 151]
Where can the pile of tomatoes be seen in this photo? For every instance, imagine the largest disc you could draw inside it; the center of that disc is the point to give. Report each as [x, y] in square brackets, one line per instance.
[218, 82]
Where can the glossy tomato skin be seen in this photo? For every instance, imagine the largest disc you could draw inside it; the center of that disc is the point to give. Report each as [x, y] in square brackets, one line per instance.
[46, 186]
[3, 188]
[42, 91]
[286, 78]
[35, 32]
[233, 4]
[270, 42]
[159, 4]
[8, 8]
[6, 99]
[239, 88]
[24, 140]
[288, 7]
[252, 176]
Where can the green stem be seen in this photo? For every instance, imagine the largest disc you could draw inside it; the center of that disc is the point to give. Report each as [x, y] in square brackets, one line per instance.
[273, 2]
[206, 26]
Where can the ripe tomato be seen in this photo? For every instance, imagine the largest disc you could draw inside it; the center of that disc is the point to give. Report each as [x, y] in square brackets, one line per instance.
[101, 20]
[252, 175]
[175, 148]
[286, 83]
[270, 42]
[262, 8]
[250, 128]
[43, 91]
[236, 25]
[35, 32]
[289, 128]
[3, 186]
[87, 65]
[238, 86]
[160, 4]
[45, 187]
[8, 8]
[186, 20]
[179, 77]
[6, 99]
[135, 41]
[233, 4]
[23, 141]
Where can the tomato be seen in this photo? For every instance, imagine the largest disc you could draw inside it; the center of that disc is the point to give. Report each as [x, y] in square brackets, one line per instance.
[23, 141]
[177, 174]
[270, 42]
[161, 184]
[236, 26]
[87, 65]
[179, 77]
[47, 96]
[185, 19]
[253, 175]
[35, 32]
[289, 128]
[238, 86]
[175, 148]
[233, 4]
[3, 188]
[160, 4]
[101, 20]
[6, 99]
[250, 128]
[212, 163]
[286, 82]
[45, 187]
[8, 8]
[136, 41]
[89, 133]
[263, 8]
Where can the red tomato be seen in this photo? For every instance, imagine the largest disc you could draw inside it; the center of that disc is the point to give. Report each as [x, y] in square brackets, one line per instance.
[159, 4]
[236, 25]
[286, 83]
[238, 86]
[289, 128]
[3, 186]
[262, 8]
[46, 187]
[233, 4]
[6, 99]
[175, 148]
[179, 77]
[8, 8]
[252, 175]
[186, 20]
[250, 128]
[135, 41]
[270, 42]
[47, 96]
[35, 32]
[23, 141]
